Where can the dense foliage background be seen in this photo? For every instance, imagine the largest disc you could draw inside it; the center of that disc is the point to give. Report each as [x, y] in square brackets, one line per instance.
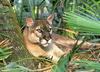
[77, 19]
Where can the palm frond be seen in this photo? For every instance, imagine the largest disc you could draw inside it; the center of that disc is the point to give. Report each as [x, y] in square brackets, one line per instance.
[82, 23]
[5, 51]
[88, 64]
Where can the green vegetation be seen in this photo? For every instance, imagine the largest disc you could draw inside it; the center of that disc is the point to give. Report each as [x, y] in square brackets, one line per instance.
[79, 16]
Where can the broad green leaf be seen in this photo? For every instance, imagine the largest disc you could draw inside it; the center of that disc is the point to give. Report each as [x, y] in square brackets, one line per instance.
[89, 64]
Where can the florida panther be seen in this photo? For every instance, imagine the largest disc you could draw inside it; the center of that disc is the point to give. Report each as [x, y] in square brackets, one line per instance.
[38, 40]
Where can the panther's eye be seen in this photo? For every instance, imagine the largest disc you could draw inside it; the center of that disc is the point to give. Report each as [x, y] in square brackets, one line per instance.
[39, 30]
[49, 29]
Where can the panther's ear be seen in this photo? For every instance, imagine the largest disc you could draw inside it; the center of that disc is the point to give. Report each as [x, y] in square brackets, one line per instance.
[50, 18]
[29, 22]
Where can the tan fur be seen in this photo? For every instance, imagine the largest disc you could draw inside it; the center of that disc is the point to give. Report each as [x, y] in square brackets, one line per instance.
[34, 49]
[31, 41]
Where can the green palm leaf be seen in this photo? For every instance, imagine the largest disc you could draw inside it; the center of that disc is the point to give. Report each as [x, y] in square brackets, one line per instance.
[82, 23]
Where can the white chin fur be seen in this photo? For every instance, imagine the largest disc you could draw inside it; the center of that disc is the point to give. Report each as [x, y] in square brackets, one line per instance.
[43, 41]
[45, 45]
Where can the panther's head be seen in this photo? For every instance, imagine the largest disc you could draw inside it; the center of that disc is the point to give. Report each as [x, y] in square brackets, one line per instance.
[39, 31]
